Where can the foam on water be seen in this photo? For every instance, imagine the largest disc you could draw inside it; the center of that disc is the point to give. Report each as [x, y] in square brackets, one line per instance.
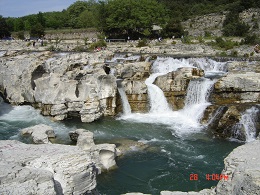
[186, 120]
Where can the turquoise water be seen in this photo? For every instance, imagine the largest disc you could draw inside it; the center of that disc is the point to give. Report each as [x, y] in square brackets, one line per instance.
[165, 164]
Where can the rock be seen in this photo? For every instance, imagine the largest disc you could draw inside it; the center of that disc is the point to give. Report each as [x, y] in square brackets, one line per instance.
[40, 133]
[45, 169]
[84, 138]
[237, 88]
[202, 192]
[103, 154]
[242, 166]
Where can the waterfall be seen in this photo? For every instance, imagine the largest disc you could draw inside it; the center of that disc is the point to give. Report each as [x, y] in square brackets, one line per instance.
[162, 66]
[125, 103]
[248, 120]
[158, 102]
[197, 97]
[183, 121]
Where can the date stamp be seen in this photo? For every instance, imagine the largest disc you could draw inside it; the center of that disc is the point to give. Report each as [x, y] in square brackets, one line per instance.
[209, 177]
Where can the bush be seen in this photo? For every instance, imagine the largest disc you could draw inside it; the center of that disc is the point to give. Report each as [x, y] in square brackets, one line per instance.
[207, 34]
[100, 43]
[186, 40]
[225, 44]
[251, 40]
[234, 53]
[142, 43]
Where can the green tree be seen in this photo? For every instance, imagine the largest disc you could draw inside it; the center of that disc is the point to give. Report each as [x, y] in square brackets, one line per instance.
[133, 17]
[75, 10]
[4, 29]
[37, 30]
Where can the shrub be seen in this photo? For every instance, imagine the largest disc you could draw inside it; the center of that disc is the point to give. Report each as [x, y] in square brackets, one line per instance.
[186, 40]
[100, 43]
[234, 53]
[142, 43]
[207, 34]
[225, 44]
[251, 39]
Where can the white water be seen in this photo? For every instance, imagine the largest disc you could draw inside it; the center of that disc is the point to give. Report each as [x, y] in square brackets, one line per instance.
[182, 121]
[197, 98]
[125, 103]
[248, 120]
[158, 102]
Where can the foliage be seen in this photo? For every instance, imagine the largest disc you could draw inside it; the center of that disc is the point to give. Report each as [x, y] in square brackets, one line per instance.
[251, 40]
[4, 29]
[173, 28]
[132, 17]
[142, 43]
[100, 43]
[20, 35]
[37, 30]
[232, 26]
[186, 40]
[224, 44]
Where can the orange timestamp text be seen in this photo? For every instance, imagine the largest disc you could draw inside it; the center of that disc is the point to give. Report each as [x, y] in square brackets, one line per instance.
[213, 177]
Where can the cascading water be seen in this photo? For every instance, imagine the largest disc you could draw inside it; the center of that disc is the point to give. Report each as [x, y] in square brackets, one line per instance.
[162, 66]
[197, 98]
[125, 103]
[183, 121]
[158, 102]
[248, 120]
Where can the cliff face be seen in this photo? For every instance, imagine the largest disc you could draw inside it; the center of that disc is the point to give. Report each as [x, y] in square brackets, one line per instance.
[60, 86]
[213, 23]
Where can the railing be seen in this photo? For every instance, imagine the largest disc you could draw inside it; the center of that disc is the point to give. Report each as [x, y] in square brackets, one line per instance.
[115, 40]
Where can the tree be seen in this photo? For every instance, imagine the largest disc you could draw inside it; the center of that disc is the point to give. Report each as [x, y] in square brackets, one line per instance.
[75, 10]
[4, 29]
[132, 17]
[37, 30]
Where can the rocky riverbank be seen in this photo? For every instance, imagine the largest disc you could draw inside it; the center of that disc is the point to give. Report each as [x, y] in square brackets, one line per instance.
[85, 84]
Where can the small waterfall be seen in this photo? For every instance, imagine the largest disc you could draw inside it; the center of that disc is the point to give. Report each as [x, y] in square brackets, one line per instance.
[197, 97]
[158, 102]
[162, 66]
[248, 120]
[125, 103]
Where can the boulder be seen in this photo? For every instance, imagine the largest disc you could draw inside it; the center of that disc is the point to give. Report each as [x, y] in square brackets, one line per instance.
[84, 138]
[242, 166]
[45, 169]
[40, 133]
[103, 154]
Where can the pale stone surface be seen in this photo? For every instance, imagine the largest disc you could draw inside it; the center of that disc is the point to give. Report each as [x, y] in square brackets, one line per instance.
[41, 168]
[84, 138]
[242, 166]
[40, 133]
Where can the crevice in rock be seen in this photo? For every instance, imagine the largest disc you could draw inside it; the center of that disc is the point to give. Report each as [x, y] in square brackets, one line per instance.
[37, 73]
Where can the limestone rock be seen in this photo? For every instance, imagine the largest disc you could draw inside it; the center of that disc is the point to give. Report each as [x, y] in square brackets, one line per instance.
[105, 155]
[237, 88]
[45, 169]
[243, 169]
[40, 133]
[83, 138]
